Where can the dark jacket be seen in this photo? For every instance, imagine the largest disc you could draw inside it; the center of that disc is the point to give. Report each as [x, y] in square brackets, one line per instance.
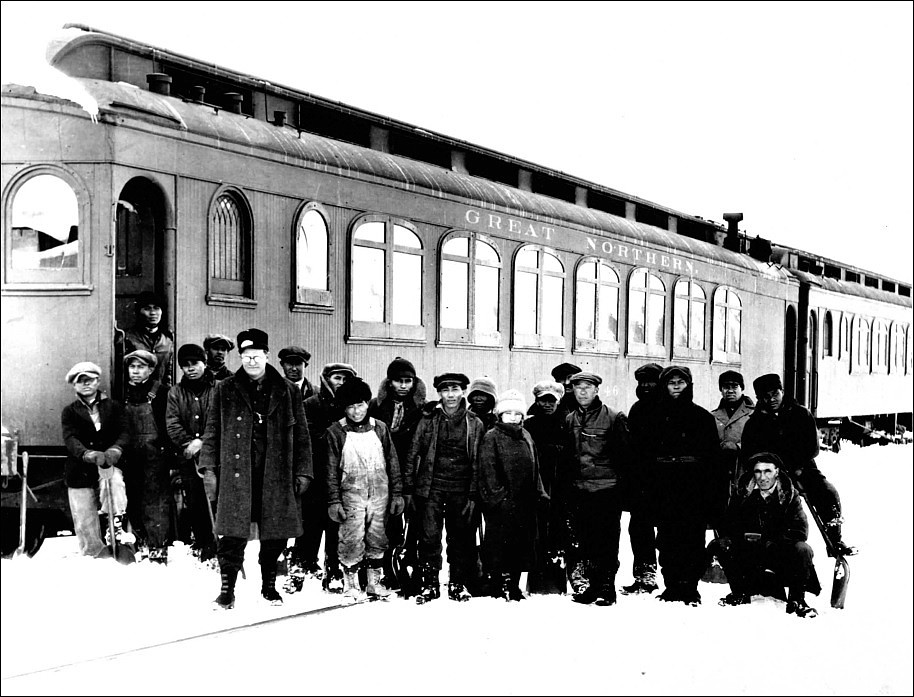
[227, 449]
[420, 462]
[321, 412]
[185, 414]
[382, 407]
[779, 518]
[149, 439]
[79, 435]
[336, 439]
[599, 449]
[548, 433]
[510, 490]
[790, 433]
[162, 344]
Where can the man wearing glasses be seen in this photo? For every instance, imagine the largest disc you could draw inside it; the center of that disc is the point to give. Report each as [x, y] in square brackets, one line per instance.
[257, 442]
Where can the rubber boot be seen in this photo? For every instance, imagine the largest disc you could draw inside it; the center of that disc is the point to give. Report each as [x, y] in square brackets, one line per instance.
[226, 599]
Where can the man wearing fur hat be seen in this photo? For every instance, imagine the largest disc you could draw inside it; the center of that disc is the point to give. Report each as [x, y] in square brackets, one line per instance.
[217, 347]
[511, 493]
[481, 397]
[96, 433]
[782, 426]
[398, 404]
[149, 497]
[321, 411]
[641, 525]
[185, 421]
[149, 333]
[598, 458]
[680, 451]
[441, 475]
[256, 441]
[547, 428]
[363, 487]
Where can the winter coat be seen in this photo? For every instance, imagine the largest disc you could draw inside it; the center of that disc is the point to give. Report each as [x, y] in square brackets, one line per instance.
[420, 461]
[227, 449]
[680, 450]
[778, 518]
[79, 435]
[599, 448]
[185, 414]
[321, 412]
[223, 373]
[145, 405]
[548, 434]
[382, 407]
[162, 344]
[790, 433]
[730, 430]
[336, 439]
[510, 490]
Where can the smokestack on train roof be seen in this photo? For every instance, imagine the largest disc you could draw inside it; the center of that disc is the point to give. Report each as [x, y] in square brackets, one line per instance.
[732, 240]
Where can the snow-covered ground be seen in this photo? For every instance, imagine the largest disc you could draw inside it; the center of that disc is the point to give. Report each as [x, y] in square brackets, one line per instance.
[64, 618]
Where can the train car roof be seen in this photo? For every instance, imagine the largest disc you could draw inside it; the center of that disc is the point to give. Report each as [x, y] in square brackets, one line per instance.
[851, 288]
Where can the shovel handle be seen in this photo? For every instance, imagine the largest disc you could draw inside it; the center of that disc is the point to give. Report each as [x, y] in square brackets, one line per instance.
[24, 502]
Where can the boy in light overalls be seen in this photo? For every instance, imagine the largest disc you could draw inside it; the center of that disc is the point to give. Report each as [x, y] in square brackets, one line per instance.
[363, 482]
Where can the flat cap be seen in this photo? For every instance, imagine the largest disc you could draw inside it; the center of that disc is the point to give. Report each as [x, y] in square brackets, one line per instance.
[547, 387]
[451, 379]
[213, 340]
[143, 355]
[649, 372]
[586, 377]
[295, 353]
[83, 368]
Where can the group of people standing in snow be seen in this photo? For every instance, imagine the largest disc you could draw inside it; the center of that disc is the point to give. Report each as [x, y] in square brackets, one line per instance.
[259, 454]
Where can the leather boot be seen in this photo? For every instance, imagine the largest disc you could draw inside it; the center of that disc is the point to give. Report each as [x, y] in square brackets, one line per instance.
[374, 587]
[352, 588]
[430, 584]
[268, 585]
[226, 599]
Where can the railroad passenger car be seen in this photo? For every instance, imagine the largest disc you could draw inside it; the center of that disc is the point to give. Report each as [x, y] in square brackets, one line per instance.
[362, 238]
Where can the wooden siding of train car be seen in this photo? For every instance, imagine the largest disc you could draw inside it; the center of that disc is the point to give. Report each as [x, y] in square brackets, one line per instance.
[45, 332]
[843, 391]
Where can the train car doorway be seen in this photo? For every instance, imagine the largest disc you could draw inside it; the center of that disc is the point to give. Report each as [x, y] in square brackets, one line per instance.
[812, 363]
[790, 352]
[140, 258]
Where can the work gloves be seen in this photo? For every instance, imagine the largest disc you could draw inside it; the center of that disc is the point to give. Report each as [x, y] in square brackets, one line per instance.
[301, 485]
[397, 504]
[192, 448]
[336, 512]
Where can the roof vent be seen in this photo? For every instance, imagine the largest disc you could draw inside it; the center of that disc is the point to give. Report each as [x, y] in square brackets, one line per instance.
[160, 83]
[198, 94]
[233, 102]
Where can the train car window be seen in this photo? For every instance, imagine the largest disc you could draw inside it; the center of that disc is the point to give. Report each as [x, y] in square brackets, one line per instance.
[844, 338]
[646, 314]
[880, 347]
[597, 291]
[896, 365]
[312, 260]
[539, 294]
[386, 288]
[689, 304]
[909, 359]
[41, 234]
[827, 336]
[230, 250]
[469, 291]
[861, 346]
[727, 329]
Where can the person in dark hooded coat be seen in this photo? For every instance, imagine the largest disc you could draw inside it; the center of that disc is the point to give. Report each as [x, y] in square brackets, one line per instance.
[680, 451]
[399, 402]
[765, 528]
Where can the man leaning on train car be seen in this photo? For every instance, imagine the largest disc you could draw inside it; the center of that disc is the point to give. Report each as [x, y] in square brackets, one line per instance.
[256, 440]
[782, 426]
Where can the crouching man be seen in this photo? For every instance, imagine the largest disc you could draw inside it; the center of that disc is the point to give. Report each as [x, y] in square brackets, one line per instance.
[763, 539]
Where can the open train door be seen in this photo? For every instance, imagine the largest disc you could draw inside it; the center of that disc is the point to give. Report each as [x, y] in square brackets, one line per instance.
[790, 352]
[142, 254]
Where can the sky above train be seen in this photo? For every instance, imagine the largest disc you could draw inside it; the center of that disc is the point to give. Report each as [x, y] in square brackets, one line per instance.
[798, 116]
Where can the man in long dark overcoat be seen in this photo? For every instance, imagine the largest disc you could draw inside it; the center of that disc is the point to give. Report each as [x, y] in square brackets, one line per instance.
[257, 441]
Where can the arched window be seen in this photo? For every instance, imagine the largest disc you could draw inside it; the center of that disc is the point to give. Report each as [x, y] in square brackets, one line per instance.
[827, 336]
[861, 346]
[539, 292]
[646, 310]
[469, 296]
[386, 279]
[41, 232]
[596, 307]
[880, 347]
[844, 337]
[728, 320]
[312, 257]
[688, 319]
[230, 248]
[896, 364]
